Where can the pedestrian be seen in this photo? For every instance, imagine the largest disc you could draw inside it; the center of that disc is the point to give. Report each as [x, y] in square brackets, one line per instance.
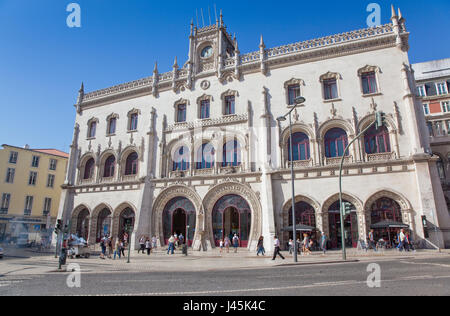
[323, 243]
[221, 244]
[176, 239]
[276, 243]
[122, 248]
[181, 239]
[148, 246]
[154, 242]
[110, 248]
[235, 243]
[306, 244]
[171, 245]
[410, 242]
[261, 249]
[117, 250]
[103, 247]
[227, 244]
[401, 240]
[372, 243]
[291, 246]
[141, 244]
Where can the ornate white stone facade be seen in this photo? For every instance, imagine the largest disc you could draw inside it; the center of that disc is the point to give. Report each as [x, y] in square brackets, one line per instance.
[259, 83]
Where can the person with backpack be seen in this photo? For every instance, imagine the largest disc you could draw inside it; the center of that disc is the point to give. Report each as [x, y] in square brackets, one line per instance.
[117, 250]
[323, 243]
[103, 247]
[372, 243]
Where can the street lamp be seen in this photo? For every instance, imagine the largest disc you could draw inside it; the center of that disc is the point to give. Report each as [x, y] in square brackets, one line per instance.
[298, 102]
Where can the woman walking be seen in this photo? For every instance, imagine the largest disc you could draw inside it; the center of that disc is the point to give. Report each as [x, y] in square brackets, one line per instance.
[227, 244]
[148, 246]
[261, 249]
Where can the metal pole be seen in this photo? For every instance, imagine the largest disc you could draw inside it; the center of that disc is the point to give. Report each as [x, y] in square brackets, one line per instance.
[341, 203]
[294, 222]
[129, 243]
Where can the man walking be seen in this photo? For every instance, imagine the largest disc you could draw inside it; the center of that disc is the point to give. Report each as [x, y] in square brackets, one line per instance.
[276, 243]
[171, 245]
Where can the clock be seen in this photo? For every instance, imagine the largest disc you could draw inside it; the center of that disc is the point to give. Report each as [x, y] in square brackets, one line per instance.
[207, 52]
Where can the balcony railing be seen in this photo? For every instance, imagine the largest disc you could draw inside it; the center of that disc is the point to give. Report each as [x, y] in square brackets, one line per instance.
[3, 211]
[380, 157]
[301, 164]
[27, 212]
[337, 160]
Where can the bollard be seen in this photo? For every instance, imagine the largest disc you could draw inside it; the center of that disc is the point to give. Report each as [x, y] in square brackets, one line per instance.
[185, 250]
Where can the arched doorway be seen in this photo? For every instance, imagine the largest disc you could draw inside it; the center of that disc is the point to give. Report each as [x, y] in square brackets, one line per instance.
[231, 215]
[103, 224]
[351, 234]
[82, 229]
[387, 211]
[304, 215]
[126, 223]
[179, 217]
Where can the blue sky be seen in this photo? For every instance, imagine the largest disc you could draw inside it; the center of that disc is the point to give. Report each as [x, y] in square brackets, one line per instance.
[43, 62]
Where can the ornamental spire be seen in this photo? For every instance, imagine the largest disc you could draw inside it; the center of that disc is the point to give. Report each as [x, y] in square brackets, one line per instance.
[175, 63]
[394, 15]
[261, 44]
[155, 71]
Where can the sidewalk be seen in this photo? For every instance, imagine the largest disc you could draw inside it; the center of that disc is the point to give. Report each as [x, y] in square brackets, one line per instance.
[195, 262]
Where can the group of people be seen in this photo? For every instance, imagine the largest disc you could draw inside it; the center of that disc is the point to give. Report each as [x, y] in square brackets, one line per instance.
[146, 244]
[225, 243]
[174, 241]
[306, 245]
[111, 249]
[402, 242]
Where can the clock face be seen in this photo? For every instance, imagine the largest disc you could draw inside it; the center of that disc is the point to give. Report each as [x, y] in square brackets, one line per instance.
[207, 52]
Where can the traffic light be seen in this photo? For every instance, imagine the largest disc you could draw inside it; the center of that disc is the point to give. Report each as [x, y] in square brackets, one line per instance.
[58, 227]
[347, 208]
[381, 119]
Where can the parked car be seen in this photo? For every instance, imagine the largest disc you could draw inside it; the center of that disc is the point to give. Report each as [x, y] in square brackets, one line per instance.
[1, 253]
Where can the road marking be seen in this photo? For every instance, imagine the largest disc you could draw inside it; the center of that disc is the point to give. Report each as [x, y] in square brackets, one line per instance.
[343, 283]
[427, 263]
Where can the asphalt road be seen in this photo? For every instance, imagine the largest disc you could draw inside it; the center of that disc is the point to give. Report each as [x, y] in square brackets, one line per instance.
[400, 277]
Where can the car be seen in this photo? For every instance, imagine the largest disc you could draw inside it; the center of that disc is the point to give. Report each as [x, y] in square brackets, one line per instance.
[1, 253]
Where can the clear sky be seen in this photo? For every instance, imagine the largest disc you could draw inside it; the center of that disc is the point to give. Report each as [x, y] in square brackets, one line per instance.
[43, 62]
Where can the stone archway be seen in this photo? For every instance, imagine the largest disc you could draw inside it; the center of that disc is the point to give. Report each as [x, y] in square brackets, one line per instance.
[405, 207]
[123, 211]
[319, 219]
[93, 231]
[168, 195]
[75, 217]
[234, 188]
[361, 217]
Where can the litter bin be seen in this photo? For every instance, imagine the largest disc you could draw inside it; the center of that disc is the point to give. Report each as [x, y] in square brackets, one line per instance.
[185, 250]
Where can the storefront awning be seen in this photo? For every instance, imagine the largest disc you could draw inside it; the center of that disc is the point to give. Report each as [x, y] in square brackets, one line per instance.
[389, 224]
[300, 228]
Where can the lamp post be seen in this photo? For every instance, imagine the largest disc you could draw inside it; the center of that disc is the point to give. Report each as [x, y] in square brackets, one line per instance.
[298, 102]
[129, 230]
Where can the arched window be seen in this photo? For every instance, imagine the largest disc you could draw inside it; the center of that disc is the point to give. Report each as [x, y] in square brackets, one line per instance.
[386, 209]
[181, 113]
[133, 122]
[92, 129]
[335, 143]
[112, 126]
[441, 168]
[131, 165]
[205, 156]
[109, 167]
[89, 169]
[300, 145]
[232, 154]
[377, 140]
[181, 159]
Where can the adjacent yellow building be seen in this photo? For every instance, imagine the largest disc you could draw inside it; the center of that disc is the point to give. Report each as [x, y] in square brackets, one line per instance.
[30, 189]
